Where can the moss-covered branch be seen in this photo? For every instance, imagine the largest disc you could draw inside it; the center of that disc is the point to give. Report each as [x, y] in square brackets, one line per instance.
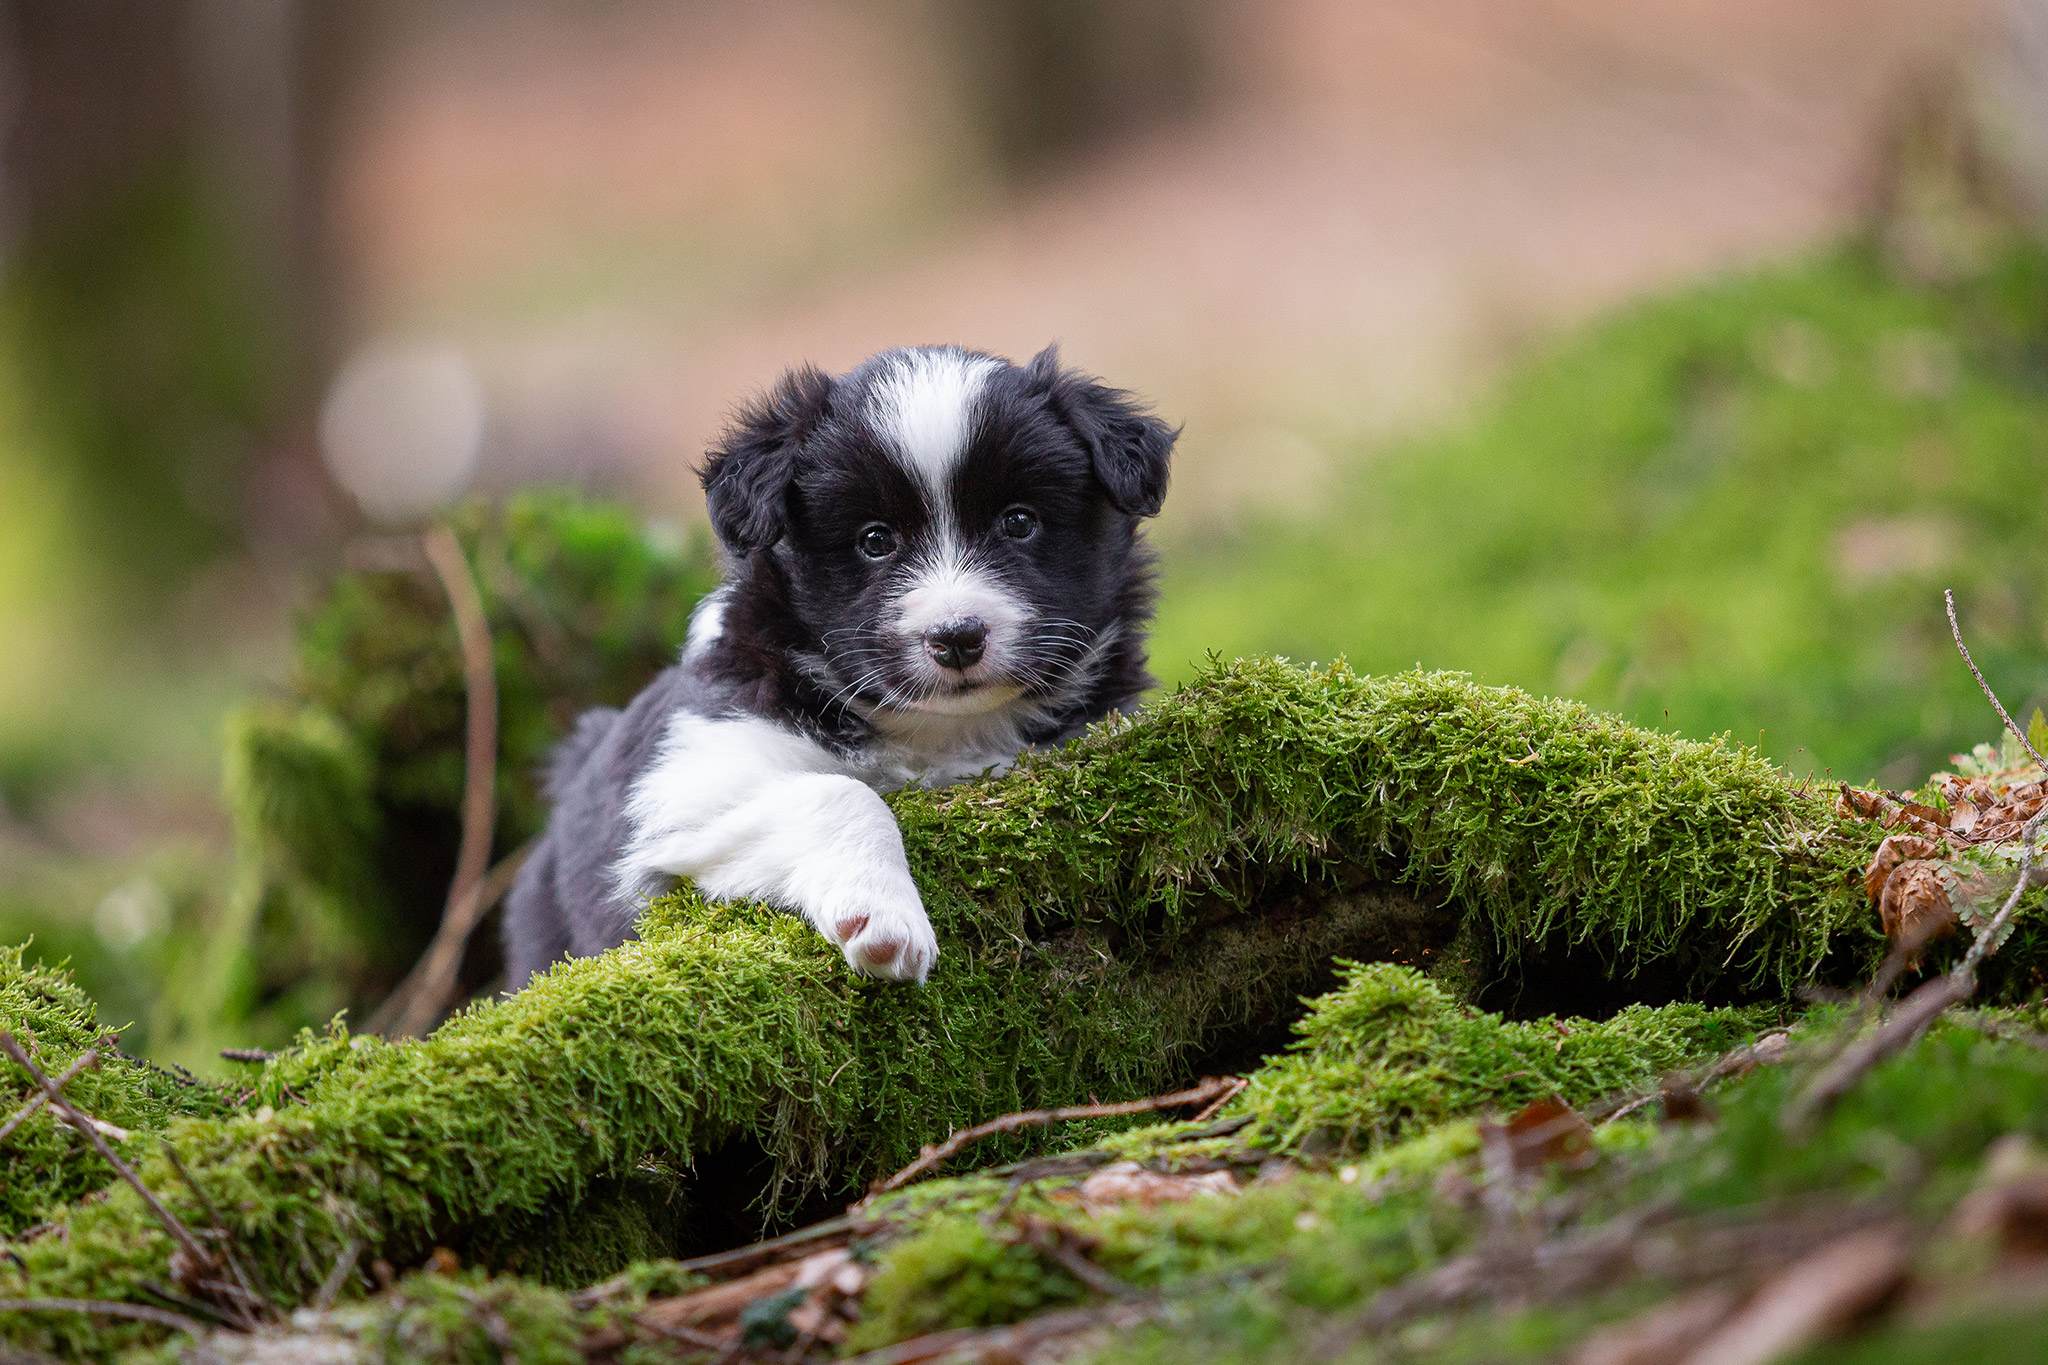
[1109, 914]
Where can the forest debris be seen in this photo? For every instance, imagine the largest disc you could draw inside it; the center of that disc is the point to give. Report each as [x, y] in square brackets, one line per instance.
[1068, 1248]
[1660, 1334]
[1545, 1132]
[2010, 1207]
[1015, 1342]
[1915, 908]
[721, 1304]
[1895, 1035]
[1896, 849]
[198, 1261]
[931, 1157]
[423, 995]
[1127, 1182]
[40, 1098]
[1813, 1299]
[141, 1312]
[804, 1302]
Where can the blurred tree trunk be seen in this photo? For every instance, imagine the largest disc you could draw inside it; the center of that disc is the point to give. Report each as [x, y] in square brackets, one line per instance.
[1054, 79]
[169, 268]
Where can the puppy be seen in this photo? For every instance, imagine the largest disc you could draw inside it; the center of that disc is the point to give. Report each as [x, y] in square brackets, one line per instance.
[933, 563]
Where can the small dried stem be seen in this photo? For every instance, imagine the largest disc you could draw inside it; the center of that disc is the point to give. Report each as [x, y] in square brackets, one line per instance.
[180, 1234]
[932, 1157]
[419, 1001]
[106, 1308]
[331, 1287]
[1949, 596]
[219, 1225]
[39, 1099]
[1927, 1003]
[480, 766]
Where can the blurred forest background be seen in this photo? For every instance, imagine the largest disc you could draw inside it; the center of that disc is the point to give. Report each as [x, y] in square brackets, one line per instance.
[1669, 355]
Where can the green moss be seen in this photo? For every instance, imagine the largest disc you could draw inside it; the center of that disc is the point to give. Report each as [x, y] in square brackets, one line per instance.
[1391, 1053]
[960, 1274]
[1685, 512]
[453, 1320]
[346, 797]
[1109, 914]
[2009, 1331]
[45, 1164]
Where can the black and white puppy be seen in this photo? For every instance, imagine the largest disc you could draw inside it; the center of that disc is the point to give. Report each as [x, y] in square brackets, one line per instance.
[933, 563]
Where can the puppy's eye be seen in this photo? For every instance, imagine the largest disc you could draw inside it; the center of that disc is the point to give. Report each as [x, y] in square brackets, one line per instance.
[1020, 523]
[876, 541]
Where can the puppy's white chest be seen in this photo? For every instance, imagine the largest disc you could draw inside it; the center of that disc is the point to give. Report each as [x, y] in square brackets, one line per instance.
[937, 755]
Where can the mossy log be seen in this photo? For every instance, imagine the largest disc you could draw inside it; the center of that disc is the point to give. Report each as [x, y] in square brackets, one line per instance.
[1112, 916]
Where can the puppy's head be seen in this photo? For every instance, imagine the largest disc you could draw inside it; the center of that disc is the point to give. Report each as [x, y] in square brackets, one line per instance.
[957, 533]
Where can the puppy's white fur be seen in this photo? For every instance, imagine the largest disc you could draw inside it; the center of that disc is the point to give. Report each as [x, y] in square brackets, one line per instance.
[747, 808]
[757, 772]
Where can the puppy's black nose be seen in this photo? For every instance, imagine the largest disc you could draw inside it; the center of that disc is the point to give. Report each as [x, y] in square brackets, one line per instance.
[957, 644]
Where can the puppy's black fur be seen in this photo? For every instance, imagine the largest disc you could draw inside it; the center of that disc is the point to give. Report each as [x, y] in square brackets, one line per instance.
[933, 562]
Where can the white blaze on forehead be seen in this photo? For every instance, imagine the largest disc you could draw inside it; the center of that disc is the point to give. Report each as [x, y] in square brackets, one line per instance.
[945, 590]
[924, 409]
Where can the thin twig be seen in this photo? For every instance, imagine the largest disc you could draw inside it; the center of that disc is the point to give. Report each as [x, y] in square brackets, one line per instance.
[106, 1308]
[1008, 1342]
[419, 1001]
[1209, 1111]
[1911, 1019]
[180, 1234]
[1052, 1244]
[688, 1336]
[246, 1054]
[480, 765]
[331, 1287]
[932, 1157]
[39, 1099]
[1949, 596]
[1927, 1003]
[227, 1237]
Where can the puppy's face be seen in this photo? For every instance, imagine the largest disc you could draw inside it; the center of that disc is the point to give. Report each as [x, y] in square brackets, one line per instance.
[956, 532]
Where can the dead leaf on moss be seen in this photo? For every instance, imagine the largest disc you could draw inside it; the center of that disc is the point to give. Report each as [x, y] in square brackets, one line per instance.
[1546, 1133]
[1895, 849]
[1915, 908]
[1926, 820]
[1129, 1183]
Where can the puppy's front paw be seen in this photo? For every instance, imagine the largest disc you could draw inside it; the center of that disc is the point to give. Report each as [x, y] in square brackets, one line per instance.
[883, 936]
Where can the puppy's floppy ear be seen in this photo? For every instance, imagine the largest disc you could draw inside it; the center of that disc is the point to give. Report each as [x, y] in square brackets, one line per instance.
[1128, 445]
[746, 480]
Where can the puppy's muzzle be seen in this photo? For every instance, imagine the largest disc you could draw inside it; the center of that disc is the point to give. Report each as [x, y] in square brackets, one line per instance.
[957, 645]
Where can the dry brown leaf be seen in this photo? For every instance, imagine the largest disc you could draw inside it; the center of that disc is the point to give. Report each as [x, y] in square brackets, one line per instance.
[1814, 1298]
[1861, 805]
[1127, 1182]
[1549, 1132]
[1963, 817]
[1915, 909]
[1922, 819]
[1895, 849]
[1682, 1102]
